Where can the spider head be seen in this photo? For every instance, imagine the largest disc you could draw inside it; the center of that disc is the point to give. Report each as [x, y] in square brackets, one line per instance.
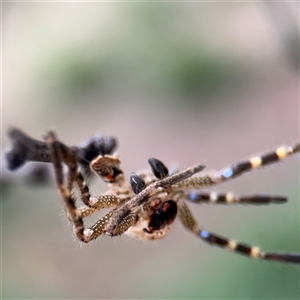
[163, 216]
[154, 220]
[107, 167]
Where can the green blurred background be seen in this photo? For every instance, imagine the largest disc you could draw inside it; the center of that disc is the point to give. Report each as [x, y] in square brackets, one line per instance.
[183, 82]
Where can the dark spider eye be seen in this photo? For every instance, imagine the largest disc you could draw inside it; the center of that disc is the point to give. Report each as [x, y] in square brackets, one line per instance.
[158, 168]
[137, 183]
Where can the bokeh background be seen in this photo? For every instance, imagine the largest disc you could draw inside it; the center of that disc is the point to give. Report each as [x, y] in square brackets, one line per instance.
[183, 82]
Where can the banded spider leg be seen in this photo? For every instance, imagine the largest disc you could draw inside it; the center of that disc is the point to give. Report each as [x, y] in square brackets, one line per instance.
[190, 223]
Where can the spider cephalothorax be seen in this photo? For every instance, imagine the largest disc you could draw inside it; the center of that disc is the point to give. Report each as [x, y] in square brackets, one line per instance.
[145, 206]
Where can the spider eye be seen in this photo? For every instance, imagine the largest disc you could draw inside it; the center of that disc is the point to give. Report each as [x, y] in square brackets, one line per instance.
[137, 183]
[158, 168]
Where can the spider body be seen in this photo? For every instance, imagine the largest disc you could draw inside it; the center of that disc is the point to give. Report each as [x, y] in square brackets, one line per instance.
[145, 206]
[153, 218]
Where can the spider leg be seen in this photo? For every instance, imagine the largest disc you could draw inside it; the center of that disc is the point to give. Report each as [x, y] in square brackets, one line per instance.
[259, 161]
[83, 188]
[76, 215]
[99, 202]
[190, 224]
[65, 192]
[238, 169]
[74, 175]
[229, 198]
[69, 158]
[95, 203]
[99, 227]
[103, 201]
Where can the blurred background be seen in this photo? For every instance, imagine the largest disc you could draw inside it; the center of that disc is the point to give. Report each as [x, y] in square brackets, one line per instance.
[184, 82]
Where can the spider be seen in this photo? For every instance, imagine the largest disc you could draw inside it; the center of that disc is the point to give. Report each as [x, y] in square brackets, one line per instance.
[147, 205]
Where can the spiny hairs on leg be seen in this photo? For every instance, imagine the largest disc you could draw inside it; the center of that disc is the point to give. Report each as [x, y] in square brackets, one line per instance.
[64, 192]
[76, 215]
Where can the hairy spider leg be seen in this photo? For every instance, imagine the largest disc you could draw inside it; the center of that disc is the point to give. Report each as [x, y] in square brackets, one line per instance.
[83, 188]
[76, 215]
[230, 198]
[240, 168]
[190, 224]
[95, 203]
[63, 191]
[69, 158]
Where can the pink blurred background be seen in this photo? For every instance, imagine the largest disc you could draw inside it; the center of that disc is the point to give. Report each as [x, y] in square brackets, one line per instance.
[184, 82]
